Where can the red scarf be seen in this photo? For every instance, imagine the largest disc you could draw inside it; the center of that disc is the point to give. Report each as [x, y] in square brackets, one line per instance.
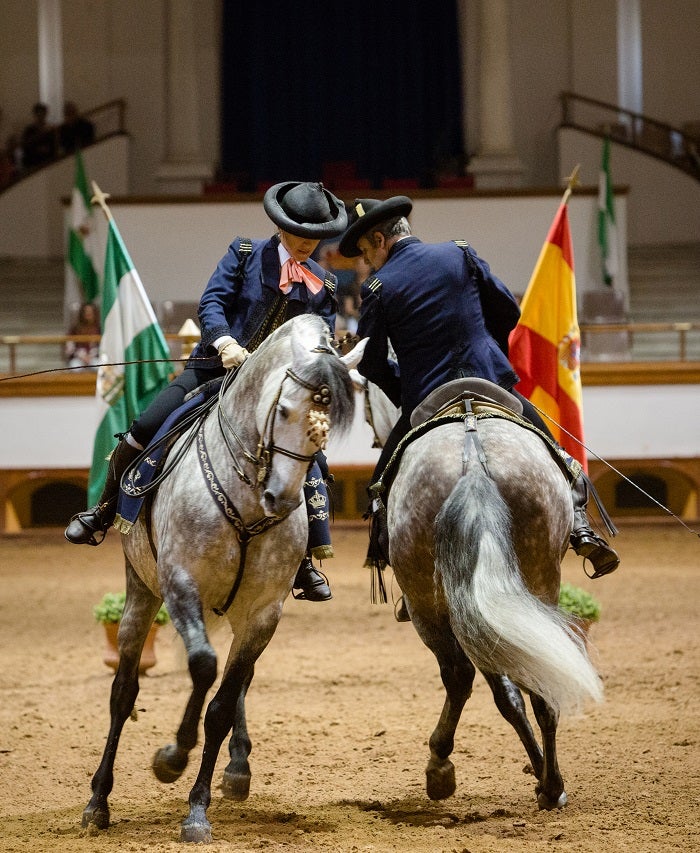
[294, 271]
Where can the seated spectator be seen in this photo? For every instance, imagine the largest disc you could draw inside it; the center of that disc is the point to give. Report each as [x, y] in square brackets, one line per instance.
[38, 139]
[76, 131]
[83, 354]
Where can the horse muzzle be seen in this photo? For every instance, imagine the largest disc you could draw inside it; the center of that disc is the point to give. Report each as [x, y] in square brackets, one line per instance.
[279, 505]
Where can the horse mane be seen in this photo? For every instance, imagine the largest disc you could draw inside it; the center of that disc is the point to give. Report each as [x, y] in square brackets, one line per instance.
[328, 369]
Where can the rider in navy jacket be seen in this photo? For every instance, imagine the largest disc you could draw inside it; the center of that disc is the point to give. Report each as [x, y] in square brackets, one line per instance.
[248, 307]
[427, 301]
[247, 297]
[446, 316]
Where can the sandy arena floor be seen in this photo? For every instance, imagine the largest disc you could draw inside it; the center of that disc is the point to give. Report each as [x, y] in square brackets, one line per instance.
[340, 710]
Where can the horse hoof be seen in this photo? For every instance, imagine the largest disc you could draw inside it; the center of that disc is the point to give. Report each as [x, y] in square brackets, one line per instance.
[440, 780]
[235, 786]
[95, 817]
[169, 763]
[196, 833]
[545, 803]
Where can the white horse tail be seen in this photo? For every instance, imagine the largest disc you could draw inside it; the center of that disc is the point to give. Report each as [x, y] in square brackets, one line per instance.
[501, 626]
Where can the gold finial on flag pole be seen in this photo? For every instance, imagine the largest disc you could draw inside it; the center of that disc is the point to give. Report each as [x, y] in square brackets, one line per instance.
[101, 198]
[571, 182]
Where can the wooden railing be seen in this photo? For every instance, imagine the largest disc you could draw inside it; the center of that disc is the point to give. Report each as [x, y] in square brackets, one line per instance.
[679, 147]
[680, 342]
[11, 345]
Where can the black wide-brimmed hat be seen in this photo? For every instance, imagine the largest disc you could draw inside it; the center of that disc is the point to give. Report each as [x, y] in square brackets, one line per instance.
[368, 212]
[305, 209]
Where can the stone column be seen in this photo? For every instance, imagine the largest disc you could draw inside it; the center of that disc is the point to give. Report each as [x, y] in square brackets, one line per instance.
[51, 58]
[496, 164]
[183, 170]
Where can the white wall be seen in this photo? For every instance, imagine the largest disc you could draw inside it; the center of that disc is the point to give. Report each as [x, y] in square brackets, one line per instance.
[175, 245]
[620, 422]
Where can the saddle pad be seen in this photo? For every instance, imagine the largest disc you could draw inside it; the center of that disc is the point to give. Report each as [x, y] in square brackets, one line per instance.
[130, 501]
[452, 392]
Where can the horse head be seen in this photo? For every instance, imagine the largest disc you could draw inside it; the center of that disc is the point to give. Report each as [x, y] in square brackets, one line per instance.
[306, 392]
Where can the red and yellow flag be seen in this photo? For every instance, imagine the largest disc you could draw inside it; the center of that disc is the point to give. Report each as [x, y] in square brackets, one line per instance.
[545, 345]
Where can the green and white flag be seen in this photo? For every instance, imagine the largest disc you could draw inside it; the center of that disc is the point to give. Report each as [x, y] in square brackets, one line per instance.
[82, 268]
[607, 231]
[131, 334]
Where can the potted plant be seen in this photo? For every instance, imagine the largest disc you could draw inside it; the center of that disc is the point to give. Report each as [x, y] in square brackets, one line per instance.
[109, 611]
[581, 605]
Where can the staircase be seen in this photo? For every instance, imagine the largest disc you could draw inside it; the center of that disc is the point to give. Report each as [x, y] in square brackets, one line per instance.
[31, 303]
[664, 284]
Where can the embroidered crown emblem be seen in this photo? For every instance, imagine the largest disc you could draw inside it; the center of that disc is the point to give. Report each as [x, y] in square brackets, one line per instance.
[317, 500]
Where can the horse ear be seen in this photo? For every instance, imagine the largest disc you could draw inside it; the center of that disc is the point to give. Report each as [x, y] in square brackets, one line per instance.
[301, 352]
[358, 380]
[354, 357]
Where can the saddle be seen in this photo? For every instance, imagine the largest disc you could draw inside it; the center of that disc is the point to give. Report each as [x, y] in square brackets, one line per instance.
[148, 469]
[449, 399]
[467, 401]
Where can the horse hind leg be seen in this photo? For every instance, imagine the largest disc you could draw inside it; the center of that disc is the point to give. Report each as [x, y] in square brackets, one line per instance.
[509, 701]
[457, 673]
[550, 788]
[140, 610]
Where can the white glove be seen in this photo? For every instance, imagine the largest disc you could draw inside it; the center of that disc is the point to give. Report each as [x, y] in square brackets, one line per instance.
[233, 354]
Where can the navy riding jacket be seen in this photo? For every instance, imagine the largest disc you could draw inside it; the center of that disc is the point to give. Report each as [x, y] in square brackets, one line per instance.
[444, 313]
[251, 306]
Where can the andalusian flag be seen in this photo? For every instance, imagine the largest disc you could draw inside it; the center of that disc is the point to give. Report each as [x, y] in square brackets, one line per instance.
[545, 345]
[130, 333]
[607, 231]
[81, 243]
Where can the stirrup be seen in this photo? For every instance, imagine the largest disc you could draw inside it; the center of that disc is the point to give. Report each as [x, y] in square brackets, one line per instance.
[401, 613]
[597, 552]
[89, 530]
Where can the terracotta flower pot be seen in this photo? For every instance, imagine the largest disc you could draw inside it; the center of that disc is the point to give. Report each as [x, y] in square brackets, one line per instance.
[111, 652]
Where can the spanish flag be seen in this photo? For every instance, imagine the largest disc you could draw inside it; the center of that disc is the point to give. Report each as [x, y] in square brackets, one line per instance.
[545, 345]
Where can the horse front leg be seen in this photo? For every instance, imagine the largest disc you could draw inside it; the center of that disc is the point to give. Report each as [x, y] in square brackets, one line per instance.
[226, 712]
[217, 723]
[185, 608]
[457, 673]
[509, 701]
[140, 609]
[235, 784]
[550, 790]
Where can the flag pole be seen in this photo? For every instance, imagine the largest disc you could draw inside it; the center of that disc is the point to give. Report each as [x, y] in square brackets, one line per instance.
[101, 198]
[571, 182]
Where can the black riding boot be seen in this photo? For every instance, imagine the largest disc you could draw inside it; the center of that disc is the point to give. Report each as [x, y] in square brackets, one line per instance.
[313, 584]
[99, 518]
[584, 541]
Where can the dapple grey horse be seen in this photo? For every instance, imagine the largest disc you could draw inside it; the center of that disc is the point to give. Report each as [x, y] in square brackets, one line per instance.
[226, 532]
[478, 526]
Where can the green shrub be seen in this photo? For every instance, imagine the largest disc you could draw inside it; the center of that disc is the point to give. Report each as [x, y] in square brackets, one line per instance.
[111, 607]
[578, 602]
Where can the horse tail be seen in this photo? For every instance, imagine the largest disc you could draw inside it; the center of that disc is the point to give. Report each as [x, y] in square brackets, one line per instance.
[501, 626]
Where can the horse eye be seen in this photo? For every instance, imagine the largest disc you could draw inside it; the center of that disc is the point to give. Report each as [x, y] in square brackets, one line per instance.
[282, 411]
